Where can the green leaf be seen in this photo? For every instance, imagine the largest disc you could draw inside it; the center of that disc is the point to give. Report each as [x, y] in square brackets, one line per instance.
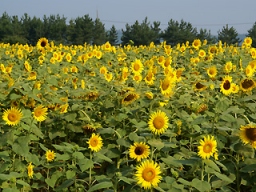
[227, 117]
[126, 179]
[156, 143]
[123, 142]
[85, 164]
[184, 182]
[248, 168]
[102, 185]
[4, 155]
[21, 182]
[201, 185]
[211, 164]
[223, 177]
[171, 161]
[70, 117]
[55, 176]
[103, 157]
[78, 155]
[65, 184]
[70, 174]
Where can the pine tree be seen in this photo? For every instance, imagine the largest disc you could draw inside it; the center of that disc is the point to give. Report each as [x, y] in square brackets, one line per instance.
[252, 34]
[112, 36]
[228, 35]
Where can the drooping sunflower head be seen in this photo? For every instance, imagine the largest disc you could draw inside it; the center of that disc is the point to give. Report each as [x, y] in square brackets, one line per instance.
[225, 86]
[50, 155]
[42, 43]
[158, 122]
[208, 147]
[247, 84]
[12, 116]
[248, 134]
[148, 174]
[139, 151]
[149, 79]
[129, 97]
[95, 142]
[30, 169]
[40, 113]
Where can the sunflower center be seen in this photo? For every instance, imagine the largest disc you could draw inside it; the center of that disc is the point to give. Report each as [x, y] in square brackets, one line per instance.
[12, 117]
[199, 85]
[158, 122]
[207, 148]
[251, 134]
[136, 67]
[139, 150]
[165, 85]
[38, 113]
[129, 97]
[43, 44]
[94, 142]
[247, 83]
[148, 174]
[226, 85]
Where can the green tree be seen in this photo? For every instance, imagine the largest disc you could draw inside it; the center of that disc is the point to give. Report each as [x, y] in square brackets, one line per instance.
[141, 34]
[99, 35]
[55, 28]
[80, 30]
[5, 26]
[228, 35]
[206, 35]
[252, 34]
[112, 36]
[179, 32]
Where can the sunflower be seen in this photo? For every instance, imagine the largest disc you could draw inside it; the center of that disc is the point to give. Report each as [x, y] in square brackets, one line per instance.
[42, 43]
[27, 66]
[49, 155]
[139, 151]
[148, 174]
[166, 86]
[108, 76]
[137, 77]
[149, 79]
[247, 84]
[95, 142]
[158, 122]
[32, 75]
[225, 86]
[208, 147]
[196, 44]
[248, 134]
[234, 87]
[149, 95]
[228, 67]
[198, 86]
[125, 73]
[247, 41]
[137, 66]
[40, 113]
[103, 70]
[129, 98]
[30, 170]
[249, 72]
[201, 53]
[212, 71]
[12, 116]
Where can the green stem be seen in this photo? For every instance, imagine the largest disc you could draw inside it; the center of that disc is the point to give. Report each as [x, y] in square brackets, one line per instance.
[202, 171]
[90, 172]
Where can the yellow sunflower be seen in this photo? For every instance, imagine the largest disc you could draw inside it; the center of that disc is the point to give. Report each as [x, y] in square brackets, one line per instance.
[196, 44]
[248, 134]
[249, 72]
[137, 77]
[42, 43]
[208, 147]
[201, 53]
[247, 84]
[129, 98]
[137, 66]
[247, 41]
[40, 113]
[95, 142]
[139, 151]
[148, 174]
[166, 86]
[12, 116]
[30, 170]
[199, 86]
[235, 88]
[125, 73]
[228, 67]
[149, 79]
[108, 76]
[103, 70]
[158, 122]
[49, 155]
[212, 71]
[225, 86]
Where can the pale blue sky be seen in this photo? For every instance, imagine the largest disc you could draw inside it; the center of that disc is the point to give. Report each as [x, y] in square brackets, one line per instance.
[212, 15]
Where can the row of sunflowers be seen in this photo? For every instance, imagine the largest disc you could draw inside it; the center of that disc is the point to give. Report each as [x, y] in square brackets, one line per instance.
[131, 118]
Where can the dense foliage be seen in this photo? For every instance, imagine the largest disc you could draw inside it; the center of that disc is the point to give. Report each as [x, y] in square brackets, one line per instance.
[157, 117]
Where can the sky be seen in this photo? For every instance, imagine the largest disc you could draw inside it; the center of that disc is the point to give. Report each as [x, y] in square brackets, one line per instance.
[210, 15]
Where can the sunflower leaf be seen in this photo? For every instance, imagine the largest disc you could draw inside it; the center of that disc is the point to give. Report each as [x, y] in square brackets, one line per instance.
[201, 185]
[156, 143]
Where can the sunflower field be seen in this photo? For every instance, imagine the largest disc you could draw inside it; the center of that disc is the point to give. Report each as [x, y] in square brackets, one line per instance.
[132, 118]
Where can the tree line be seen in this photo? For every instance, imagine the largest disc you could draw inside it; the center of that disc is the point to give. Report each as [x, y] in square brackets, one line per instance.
[27, 30]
